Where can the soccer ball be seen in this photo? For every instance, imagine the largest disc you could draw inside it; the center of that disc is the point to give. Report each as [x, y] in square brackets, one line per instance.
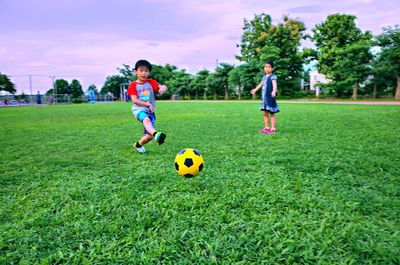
[189, 163]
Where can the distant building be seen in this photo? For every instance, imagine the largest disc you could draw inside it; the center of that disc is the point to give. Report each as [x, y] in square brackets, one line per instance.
[124, 92]
[315, 78]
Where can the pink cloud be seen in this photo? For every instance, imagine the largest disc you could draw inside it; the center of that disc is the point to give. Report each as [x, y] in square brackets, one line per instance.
[43, 38]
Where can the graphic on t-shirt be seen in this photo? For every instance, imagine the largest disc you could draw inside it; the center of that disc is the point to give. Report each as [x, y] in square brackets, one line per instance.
[144, 95]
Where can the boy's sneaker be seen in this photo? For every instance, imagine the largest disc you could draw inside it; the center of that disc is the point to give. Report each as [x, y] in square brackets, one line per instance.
[272, 131]
[159, 137]
[140, 149]
[265, 130]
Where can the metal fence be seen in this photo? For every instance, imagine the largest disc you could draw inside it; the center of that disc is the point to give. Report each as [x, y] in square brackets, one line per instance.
[21, 100]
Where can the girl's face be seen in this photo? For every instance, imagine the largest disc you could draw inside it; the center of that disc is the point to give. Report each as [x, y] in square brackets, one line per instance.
[268, 69]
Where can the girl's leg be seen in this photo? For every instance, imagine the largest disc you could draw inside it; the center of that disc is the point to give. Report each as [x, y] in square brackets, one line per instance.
[273, 121]
[266, 119]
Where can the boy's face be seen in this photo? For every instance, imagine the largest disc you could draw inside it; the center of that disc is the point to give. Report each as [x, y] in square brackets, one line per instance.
[142, 73]
[268, 69]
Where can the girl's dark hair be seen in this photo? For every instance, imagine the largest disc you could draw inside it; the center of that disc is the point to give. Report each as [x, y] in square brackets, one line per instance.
[270, 63]
[143, 63]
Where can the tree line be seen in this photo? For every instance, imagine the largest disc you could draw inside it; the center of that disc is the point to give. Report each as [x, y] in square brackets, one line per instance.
[356, 62]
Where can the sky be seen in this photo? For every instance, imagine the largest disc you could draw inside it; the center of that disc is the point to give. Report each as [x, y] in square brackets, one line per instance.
[88, 40]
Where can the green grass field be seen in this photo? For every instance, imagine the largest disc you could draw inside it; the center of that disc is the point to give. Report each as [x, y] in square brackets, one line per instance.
[324, 190]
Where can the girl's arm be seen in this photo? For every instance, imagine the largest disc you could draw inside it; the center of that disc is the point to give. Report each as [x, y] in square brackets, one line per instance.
[254, 91]
[274, 88]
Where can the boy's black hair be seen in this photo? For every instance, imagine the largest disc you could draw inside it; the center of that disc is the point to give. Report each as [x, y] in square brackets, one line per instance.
[143, 63]
[270, 63]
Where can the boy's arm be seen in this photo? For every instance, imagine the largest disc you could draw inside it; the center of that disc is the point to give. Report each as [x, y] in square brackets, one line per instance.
[254, 91]
[138, 102]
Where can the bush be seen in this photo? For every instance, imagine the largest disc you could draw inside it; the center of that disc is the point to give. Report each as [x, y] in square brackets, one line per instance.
[78, 101]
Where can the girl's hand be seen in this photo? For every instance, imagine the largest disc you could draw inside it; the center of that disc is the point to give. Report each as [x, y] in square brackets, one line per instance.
[273, 94]
[253, 91]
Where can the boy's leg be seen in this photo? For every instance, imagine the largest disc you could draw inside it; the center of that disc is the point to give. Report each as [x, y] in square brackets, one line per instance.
[159, 137]
[145, 139]
[139, 145]
[148, 125]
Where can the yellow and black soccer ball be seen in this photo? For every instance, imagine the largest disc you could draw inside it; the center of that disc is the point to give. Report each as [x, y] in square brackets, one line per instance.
[189, 163]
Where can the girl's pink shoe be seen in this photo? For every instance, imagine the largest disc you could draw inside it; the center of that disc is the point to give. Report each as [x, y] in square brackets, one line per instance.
[265, 130]
[271, 131]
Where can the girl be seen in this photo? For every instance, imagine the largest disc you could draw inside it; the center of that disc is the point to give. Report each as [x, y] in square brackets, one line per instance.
[268, 101]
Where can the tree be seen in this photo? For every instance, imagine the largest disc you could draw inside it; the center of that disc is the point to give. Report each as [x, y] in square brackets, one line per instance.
[94, 88]
[180, 83]
[245, 77]
[6, 84]
[22, 97]
[354, 66]
[217, 82]
[389, 41]
[343, 52]
[306, 80]
[234, 80]
[199, 84]
[212, 85]
[255, 37]
[49, 92]
[381, 80]
[220, 84]
[61, 86]
[113, 84]
[75, 89]
[127, 72]
[163, 73]
[262, 41]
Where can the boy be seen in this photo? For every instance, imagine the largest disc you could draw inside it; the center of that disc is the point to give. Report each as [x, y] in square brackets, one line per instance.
[142, 93]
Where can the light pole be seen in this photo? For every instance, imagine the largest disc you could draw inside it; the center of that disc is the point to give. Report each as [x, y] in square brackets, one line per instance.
[54, 88]
[30, 88]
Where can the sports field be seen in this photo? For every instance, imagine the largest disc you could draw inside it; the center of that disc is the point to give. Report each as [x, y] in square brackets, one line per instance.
[324, 190]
